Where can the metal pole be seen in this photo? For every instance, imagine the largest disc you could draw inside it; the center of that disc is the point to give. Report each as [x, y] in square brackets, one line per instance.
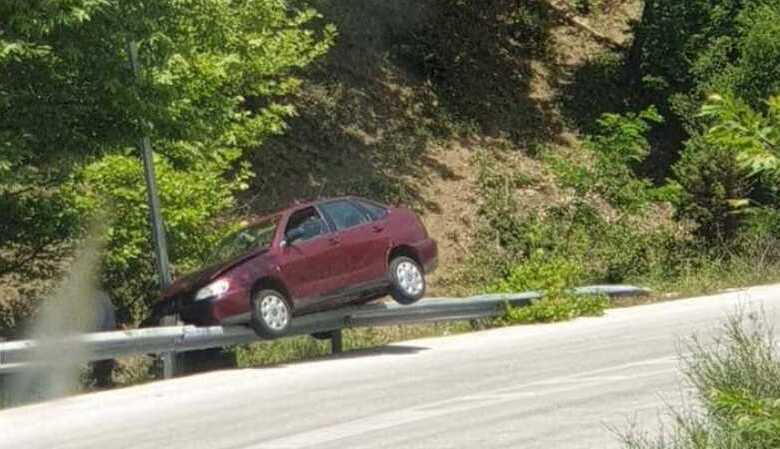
[155, 216]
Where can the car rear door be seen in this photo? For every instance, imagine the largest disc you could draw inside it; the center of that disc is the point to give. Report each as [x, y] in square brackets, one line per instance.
[363, 244]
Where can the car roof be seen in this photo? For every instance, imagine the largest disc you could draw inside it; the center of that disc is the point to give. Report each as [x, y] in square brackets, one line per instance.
[299, 204]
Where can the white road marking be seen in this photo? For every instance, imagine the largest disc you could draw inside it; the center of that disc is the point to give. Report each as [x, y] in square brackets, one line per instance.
[469, 402]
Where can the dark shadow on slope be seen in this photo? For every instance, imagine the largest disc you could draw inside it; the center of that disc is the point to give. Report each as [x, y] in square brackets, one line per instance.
[477, 56]
[596, 87]
[364, 126]
[605, 84]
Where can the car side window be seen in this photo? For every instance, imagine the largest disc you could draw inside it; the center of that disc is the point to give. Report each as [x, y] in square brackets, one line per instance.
[344, 214]
[308, 220]
[375, 211]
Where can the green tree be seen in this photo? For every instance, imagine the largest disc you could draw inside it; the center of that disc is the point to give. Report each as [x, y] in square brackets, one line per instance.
[732, 168]
[213, 79]
[754, 135]
[685, 50]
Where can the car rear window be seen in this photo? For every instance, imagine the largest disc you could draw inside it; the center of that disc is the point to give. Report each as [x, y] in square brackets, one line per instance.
[344, 214]
[374, 210]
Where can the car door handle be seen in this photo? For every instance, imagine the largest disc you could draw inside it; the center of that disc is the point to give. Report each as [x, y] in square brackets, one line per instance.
[334, 240]
[378, 228]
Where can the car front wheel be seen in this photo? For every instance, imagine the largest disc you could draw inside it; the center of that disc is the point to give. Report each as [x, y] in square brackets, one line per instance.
[407, 281]
[271, 314]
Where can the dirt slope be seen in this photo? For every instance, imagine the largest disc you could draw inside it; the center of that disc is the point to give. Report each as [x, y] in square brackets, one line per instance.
[373, 121]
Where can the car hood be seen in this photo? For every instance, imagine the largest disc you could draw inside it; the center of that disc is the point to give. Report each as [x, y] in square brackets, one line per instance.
[199, 279]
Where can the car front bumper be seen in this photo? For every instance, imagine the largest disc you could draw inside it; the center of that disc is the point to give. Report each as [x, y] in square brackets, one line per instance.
[200, 313]
[206, 312]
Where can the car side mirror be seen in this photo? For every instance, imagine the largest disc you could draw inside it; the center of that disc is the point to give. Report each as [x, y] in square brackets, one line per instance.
[293, 235]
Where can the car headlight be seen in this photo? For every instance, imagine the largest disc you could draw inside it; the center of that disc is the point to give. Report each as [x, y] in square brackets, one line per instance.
[213, 290]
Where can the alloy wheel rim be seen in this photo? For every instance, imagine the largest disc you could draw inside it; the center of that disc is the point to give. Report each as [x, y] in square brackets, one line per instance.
[274, 312]
[409, 278]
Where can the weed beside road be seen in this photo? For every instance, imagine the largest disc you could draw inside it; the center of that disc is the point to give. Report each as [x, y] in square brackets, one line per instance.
[736, 379]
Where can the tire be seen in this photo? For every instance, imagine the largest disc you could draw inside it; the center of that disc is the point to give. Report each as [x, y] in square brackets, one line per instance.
[271, 314]
[407, 280]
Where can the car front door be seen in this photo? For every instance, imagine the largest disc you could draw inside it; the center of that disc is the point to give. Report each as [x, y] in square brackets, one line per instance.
[306, 264]
[363, 244]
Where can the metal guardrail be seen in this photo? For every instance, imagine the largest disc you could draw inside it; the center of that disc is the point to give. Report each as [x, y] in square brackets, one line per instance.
[16, 356]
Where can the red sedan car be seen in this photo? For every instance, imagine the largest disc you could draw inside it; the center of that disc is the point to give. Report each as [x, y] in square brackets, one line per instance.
[308, 258]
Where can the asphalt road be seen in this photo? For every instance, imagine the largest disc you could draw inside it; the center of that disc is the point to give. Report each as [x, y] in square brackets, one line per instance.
[549, 386]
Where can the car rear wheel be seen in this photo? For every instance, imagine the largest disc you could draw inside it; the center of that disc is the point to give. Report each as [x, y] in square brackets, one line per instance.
[407, 281]
[271, 314]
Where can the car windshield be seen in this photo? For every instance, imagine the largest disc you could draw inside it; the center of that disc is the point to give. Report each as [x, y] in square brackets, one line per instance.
[258, 235]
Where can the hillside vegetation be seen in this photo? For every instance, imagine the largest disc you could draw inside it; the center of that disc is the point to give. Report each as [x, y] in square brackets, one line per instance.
[545, 143]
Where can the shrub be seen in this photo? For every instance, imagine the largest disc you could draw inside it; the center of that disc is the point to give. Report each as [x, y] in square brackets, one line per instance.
[541, 272]
[712, 183]
[554, 276]
[576, 239]
[558, 308]
[756, 73]
[618, 145]
[662, 60]
[732, 168]
[736, 380]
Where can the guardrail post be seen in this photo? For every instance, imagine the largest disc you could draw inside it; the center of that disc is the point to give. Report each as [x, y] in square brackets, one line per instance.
[169, 359]
[5, 395]
[336, 344]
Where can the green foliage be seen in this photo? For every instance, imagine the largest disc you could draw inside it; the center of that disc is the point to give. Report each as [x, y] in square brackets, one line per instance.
[68, 88]
[567, 244]
[732, 168]
[554, 276]
[32, 221]
[755, 421]
[557, 308]
[667, 62]
[618, 145]
[499, 207]
[550, 274]
[280, 351]
[713, 188]
[716, 46]
[755, 137]
[193, 200]
[756, 73]
[212, 79]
